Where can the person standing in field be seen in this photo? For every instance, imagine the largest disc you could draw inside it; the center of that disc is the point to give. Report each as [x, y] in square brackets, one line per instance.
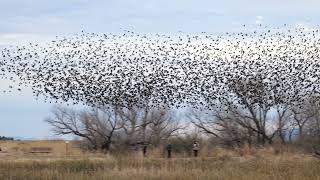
[144, 150]
[169, 149]
[195, 148]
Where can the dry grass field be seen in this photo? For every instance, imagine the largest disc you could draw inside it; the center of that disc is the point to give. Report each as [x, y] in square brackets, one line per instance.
[53, 147]
[242, 164]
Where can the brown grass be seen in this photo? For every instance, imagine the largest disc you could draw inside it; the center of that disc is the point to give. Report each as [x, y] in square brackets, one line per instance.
[282, 162]
[242, 164]
[58, 147]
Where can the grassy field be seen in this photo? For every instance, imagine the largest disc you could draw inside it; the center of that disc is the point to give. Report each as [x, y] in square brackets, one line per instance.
[263, 165]
[57, 147]
[66, 161]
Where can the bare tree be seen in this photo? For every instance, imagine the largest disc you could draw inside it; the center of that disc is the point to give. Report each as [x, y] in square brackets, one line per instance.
[237, 127]
[217, 124]
[97, 126]
[312, 126]
[283, 122]
[148, 125]
[162, 126]
[135, 122]
[245, 109]
[301, 117]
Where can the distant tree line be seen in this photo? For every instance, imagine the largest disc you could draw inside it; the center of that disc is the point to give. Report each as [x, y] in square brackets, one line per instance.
[4, 138]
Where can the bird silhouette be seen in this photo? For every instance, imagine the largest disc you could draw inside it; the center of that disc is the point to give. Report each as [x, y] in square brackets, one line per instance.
[264, 66]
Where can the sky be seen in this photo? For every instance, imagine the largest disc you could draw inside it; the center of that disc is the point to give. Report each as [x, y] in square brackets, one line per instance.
[23, 21]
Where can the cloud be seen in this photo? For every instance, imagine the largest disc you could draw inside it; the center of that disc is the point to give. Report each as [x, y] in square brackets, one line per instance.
[305, 26]
[259, 19]
[22, 38]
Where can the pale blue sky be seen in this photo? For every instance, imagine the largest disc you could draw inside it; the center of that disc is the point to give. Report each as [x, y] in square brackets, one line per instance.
[24, 21]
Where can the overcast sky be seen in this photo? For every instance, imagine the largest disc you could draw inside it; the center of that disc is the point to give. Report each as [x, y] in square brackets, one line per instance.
[23, 21]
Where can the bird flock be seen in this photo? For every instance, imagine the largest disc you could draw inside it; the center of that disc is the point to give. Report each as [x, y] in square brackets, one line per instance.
[262, 66]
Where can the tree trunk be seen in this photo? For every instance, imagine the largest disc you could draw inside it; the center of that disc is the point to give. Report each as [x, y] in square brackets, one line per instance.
[282, 136]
